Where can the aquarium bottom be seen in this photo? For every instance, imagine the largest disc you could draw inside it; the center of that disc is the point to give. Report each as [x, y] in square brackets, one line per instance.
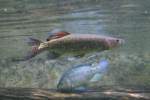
[52, 94]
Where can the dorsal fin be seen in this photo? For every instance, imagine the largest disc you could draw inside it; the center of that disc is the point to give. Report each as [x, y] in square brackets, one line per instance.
[57, 35]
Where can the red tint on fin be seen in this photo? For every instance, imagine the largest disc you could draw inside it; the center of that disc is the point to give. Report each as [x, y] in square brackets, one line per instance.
[34, 51]
[62, 34]
[57, 35]
[31, 53]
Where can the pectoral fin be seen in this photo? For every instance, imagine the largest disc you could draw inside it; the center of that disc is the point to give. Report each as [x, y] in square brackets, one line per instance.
[96, 77]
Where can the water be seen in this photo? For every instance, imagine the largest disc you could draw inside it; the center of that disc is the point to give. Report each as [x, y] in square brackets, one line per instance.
[129, 64]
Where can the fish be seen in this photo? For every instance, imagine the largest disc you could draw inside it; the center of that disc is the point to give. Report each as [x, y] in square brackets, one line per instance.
[74, 44]
[77, 77]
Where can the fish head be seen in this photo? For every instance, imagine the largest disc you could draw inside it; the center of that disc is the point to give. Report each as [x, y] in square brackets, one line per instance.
[113, 42]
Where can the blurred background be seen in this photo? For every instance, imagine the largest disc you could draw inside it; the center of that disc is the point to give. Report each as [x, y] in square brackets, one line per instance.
[127, 19]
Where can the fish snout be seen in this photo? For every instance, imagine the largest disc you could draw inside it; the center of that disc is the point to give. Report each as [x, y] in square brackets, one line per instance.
[114, 42]
[119, 42]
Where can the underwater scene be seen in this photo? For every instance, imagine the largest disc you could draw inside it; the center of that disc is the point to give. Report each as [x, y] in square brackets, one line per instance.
[75, 49]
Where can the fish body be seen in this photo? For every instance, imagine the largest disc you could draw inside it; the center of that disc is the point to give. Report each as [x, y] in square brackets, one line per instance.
[76, 44]
[80, 43]
[79, 76]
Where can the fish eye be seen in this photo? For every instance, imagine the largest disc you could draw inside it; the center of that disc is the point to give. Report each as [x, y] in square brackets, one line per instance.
[47, 39]
[117, 40]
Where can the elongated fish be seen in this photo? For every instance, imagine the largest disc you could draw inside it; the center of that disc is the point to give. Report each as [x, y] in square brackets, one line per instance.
[75, 44]
[77, 77]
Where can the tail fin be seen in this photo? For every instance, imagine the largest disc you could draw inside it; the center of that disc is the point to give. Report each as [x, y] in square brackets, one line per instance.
[35, 43]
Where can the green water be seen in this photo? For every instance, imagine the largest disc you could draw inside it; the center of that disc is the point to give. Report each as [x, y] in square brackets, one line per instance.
[129, 64]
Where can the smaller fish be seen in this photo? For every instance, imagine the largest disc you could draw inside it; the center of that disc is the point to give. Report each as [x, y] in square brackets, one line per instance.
[77, 77]
[57, 34]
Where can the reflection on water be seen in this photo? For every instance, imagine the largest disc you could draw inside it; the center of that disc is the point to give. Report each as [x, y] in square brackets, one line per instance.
[124, 18]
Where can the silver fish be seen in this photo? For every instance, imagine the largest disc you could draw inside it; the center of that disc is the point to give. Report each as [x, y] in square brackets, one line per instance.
[77, 77]
[75, 44]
